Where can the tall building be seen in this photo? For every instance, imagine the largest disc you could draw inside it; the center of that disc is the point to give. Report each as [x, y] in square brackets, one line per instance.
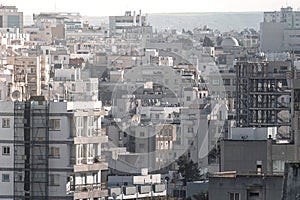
[10, 17]
[263, 95]
[52, 150]
[280, 31]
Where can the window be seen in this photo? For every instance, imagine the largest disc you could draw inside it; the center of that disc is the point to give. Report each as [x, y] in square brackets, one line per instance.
[5, 178]
[215, 82]
[54, 152]
[226, 81]
[6, 151]
[142, 146]
[234, 196]
[254, 194]
[278, 165]
[54, 180]
[54, 124]
[190, 129]
[188, 98]
[5, 123]
[142, 134]
[13, 21]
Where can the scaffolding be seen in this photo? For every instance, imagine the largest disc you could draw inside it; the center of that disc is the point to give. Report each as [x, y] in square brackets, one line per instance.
[31, 150]
[263, 97]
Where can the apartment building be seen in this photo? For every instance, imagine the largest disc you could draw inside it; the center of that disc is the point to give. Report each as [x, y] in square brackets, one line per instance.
[10, 17]
[68, 84]
[129, 22]
[280, 31]
[52, 150]
[26, 76]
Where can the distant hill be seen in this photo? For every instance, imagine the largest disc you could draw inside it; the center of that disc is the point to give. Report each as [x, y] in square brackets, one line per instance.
[223, 21]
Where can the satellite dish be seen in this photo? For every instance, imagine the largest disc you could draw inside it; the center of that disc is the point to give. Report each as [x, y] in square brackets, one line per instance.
[16, 95]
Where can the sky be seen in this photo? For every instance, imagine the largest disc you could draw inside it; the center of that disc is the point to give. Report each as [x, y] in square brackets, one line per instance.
[118, 7]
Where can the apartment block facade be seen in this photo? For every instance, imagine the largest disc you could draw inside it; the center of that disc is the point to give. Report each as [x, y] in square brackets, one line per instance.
[52, 150]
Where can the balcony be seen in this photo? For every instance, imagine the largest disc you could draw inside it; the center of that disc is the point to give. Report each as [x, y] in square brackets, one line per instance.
[96, 137]
[100, 112]
[90, 164]
[88, 191]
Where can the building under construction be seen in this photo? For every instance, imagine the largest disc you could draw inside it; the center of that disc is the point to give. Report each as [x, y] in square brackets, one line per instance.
[31, 146]
[263, 95]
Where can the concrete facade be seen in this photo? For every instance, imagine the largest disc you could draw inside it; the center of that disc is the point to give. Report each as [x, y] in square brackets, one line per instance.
[245, 186]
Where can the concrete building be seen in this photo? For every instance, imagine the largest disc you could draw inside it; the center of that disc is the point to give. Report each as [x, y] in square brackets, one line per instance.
[67, 84]
[250, 186]
[52, 150]
[263, 92]
[10, 17]
[129, 23]
[26, 76]
[280, 31]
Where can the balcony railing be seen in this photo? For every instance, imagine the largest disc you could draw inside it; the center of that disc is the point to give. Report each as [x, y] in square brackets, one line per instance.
[91, 160]
[89, 187]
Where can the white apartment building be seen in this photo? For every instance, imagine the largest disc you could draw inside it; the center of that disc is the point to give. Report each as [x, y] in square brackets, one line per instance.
[286, 15]
[67, 84]
[51, 150]
[280, 31]
[120, 24]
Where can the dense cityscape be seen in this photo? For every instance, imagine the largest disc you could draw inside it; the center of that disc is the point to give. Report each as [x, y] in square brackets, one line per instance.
[125, 110]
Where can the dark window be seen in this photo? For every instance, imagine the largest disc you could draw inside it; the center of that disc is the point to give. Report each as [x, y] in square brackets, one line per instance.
[13, 21]
[1, 21]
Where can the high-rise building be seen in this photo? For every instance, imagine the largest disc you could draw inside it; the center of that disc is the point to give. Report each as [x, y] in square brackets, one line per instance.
[51, 150]
[280, 31]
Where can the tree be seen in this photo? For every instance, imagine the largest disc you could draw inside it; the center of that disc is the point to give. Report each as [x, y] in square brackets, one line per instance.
[188, 169]
[219, 40]
[207, 42]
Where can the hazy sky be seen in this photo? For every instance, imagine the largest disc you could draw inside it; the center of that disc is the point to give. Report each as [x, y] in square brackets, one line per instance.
[118, 7]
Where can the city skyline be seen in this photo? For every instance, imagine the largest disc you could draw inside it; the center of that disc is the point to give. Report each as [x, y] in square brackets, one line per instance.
[118, 7]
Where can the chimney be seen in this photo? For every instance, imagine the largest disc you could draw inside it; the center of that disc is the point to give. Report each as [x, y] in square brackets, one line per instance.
[140, 20]
[134, 18]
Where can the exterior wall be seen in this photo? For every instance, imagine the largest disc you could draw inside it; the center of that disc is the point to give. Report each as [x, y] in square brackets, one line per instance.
[242, 156]
[245, 187]
[291, 39]
[61, 163]
[291, 181]
[120, 24]
[11, 17]
[27, 73]
[271, 36]
[7, 138]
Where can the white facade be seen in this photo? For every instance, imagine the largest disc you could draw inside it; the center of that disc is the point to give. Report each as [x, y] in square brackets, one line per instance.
[75, 161]
[6, 148]
[280, 31]
[67, 84]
